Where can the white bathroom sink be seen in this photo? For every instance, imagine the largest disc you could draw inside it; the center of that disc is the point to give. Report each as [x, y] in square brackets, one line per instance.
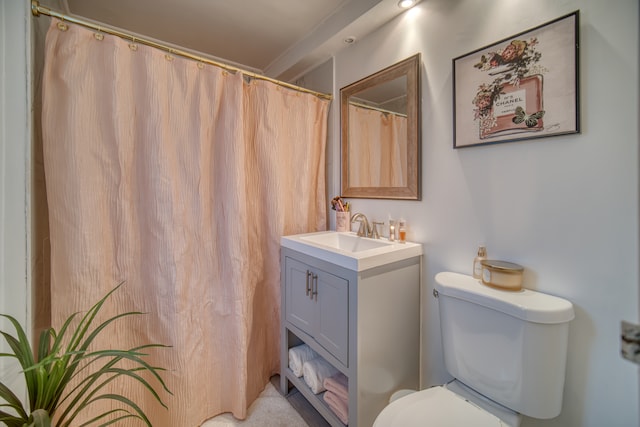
[348, 242]
[350, 251]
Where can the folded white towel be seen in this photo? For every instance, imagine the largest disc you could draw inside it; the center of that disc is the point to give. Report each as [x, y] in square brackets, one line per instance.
[298, 356]
[315, 371]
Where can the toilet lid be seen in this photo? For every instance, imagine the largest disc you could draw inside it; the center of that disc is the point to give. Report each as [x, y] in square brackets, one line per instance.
[437, 407]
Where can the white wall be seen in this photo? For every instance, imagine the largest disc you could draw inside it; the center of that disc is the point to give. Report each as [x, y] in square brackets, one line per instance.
[564, 207]
[14, 143]
[321, 80]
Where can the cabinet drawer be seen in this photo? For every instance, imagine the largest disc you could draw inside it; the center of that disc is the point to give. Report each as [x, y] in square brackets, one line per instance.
[317, 302]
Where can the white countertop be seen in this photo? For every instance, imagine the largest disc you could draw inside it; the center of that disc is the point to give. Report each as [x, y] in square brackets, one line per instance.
[362, 253]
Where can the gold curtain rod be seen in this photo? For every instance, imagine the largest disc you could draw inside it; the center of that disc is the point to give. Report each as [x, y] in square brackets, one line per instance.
[37, 10]
[371, 107]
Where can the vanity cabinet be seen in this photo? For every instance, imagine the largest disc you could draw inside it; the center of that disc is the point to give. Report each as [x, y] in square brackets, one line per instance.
[363, 321]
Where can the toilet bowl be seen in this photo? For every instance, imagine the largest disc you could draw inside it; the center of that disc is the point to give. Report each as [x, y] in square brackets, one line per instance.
[452, 404]
[506, 351]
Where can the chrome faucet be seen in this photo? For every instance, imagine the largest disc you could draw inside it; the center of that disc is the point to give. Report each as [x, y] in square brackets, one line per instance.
[363, 230]
[374, 229]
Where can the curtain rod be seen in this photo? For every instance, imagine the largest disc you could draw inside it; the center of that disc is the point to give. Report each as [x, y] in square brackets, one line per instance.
[371, 107]
[37, 10]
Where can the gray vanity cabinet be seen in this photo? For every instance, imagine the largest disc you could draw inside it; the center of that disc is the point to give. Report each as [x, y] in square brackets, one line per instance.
[364, 323]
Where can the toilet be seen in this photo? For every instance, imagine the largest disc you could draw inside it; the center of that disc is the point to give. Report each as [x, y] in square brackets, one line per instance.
[506, 350]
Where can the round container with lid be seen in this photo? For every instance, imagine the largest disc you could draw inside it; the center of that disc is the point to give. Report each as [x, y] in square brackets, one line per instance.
[502, 274]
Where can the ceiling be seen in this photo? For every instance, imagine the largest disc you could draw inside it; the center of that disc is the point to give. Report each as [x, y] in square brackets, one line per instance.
[282, 39]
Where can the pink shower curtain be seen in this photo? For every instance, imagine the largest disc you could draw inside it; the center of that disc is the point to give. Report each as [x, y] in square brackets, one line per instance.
[177, 178]
[378, 140]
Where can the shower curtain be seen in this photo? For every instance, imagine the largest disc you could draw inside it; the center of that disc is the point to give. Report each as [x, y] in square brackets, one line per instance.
[378, 145]
[177, 178]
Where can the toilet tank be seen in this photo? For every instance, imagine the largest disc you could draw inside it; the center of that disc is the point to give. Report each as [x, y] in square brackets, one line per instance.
[509, 346]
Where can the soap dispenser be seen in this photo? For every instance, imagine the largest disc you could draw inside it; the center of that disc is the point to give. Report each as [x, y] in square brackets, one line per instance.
[477, 266]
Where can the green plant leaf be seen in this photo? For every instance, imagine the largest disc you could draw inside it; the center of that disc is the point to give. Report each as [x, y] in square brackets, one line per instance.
[140, 414]
[44, 343]
[10, 420]
[132, 355]
[22, 351]
[87, 319]
[12, 401]
[91, 384]
[113, 421]
[20, 345]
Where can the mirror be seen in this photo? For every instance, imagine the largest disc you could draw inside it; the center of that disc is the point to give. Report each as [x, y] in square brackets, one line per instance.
[380, 134]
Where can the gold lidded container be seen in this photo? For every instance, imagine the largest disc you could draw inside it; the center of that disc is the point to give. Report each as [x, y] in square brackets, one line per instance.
[502, 274]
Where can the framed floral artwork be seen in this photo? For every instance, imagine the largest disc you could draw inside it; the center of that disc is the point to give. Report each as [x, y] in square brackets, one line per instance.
[522, 87]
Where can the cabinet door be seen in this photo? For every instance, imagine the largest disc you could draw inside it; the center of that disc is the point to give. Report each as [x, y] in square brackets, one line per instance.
[332, 330]
[317, 302]
[300, 308]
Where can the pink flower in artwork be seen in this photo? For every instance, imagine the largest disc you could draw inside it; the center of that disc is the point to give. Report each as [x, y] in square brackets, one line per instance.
[495, 60]
[513, 51]
[483, 100]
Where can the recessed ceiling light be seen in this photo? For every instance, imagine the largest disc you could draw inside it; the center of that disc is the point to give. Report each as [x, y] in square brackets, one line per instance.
[405, 4]
[350, 40]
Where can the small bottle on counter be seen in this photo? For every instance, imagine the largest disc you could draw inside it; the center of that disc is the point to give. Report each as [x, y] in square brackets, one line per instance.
[402, 231]
[477, 266]
[392, 230]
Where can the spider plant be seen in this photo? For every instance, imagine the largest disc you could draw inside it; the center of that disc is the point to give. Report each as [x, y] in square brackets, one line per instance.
[65, 376]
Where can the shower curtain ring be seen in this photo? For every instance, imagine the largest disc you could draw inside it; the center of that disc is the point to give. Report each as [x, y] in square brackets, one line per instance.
[99, 36]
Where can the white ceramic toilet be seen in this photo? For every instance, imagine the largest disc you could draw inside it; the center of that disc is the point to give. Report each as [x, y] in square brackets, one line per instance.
[506, 350]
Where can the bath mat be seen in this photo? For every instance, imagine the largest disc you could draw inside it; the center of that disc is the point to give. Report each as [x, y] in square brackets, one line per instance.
[270, 409]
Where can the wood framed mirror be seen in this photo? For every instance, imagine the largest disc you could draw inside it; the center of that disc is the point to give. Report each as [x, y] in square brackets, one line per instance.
[380, 134]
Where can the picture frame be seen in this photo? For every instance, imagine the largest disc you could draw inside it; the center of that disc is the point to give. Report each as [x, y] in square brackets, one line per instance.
[522, 87]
